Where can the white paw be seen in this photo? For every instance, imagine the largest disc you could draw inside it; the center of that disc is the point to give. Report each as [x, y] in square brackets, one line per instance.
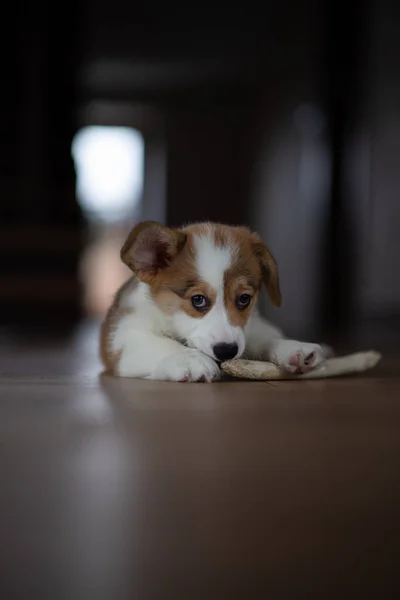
[298, 357]
[189, 365]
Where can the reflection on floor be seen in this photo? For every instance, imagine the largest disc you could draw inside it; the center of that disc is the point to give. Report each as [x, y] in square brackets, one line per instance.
[73, 354]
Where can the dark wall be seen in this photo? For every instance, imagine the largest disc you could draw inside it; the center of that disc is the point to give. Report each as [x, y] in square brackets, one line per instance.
[206, 178]
[40, 220]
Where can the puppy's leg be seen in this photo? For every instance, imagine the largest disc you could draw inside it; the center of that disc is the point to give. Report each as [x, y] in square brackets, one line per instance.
[149, 356]
[266, 342]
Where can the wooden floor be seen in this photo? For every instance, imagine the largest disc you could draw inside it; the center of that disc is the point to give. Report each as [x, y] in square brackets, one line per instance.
[122, 489]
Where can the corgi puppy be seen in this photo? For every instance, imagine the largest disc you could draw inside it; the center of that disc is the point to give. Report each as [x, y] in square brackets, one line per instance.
[192, 303]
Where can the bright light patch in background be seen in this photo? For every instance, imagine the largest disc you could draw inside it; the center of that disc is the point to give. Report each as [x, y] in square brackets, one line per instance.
[109, 168]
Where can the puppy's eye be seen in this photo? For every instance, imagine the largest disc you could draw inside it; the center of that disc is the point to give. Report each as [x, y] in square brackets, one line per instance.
[243, 301]
[199, 302]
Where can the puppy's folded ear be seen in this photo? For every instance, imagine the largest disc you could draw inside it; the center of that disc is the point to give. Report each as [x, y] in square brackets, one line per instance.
[269, 269]
[151, 247]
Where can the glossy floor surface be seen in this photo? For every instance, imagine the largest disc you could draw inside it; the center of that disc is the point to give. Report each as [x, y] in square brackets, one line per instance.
[122, 489]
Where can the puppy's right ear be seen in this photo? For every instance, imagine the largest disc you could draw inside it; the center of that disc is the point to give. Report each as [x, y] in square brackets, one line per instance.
[151, 247]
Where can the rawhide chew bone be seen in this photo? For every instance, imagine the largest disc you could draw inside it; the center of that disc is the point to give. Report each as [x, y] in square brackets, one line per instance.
[332, 367]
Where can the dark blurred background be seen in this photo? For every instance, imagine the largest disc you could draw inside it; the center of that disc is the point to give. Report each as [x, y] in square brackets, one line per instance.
[282, 116]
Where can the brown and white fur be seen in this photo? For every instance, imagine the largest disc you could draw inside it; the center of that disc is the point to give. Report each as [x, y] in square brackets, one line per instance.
[192, 302]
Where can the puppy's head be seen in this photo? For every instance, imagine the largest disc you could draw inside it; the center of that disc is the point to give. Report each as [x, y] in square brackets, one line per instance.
[206, 277]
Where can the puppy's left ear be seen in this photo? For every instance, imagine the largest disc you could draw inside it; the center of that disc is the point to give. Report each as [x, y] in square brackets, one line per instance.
[269, 269]
[150, 248]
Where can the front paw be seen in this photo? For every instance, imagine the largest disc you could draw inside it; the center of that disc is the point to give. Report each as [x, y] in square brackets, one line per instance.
[189, 366]
[298, 357]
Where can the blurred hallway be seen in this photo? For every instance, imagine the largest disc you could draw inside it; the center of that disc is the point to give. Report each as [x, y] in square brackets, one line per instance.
[269, 122]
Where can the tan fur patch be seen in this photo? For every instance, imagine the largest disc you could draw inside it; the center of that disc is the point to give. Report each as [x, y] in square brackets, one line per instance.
[233, 288]
[169, 302]
[243, 277]
[252, 246]
[201, 289]
[173, 287]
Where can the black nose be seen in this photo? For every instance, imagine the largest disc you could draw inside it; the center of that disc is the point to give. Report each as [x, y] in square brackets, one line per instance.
[225, 351]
